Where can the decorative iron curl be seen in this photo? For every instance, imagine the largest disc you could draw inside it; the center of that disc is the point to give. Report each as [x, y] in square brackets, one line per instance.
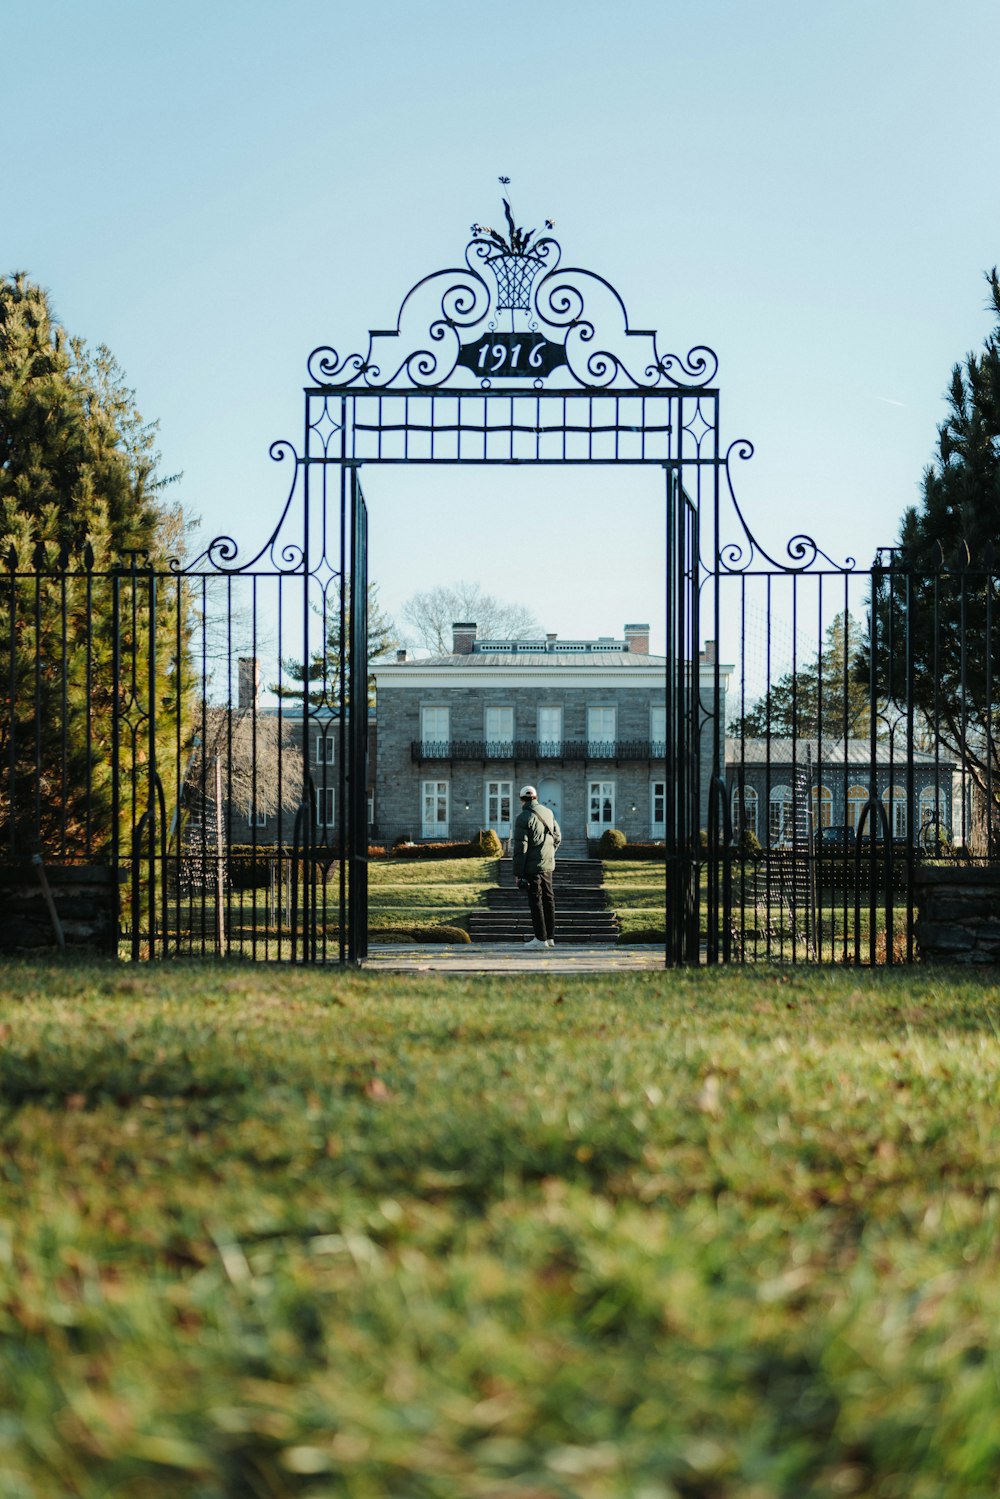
[222, 552]
[738, 556]
[557, 299]
[699, 367]
[326, 367]
[464, 301]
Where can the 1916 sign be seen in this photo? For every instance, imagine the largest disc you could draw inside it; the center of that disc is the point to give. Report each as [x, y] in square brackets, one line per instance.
[519, 356]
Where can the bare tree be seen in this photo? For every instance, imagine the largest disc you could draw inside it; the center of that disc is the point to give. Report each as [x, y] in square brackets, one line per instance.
[258, 754]
[431, 615]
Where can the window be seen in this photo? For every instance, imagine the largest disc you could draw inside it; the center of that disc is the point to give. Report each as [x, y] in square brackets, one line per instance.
[500, 733]
[499, 795]
[658, 729]
[779, 826]
[745, 815]
[894, 800]
[822, 807]
[550, 732]
[325, 749]
[601, 732]
[658, 808]
[857, 800]
[434, 809]
[371, 809]
[435, 727]
[256, 817]
[325, 806]
[601, 807]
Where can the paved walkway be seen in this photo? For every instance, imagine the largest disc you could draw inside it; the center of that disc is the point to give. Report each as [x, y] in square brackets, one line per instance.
[497, 957]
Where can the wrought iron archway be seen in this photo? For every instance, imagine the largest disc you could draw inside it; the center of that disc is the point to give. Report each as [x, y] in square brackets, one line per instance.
[511, 357]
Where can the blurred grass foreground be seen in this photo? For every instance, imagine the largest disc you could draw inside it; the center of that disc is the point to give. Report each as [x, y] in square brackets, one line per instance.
[691, 1236]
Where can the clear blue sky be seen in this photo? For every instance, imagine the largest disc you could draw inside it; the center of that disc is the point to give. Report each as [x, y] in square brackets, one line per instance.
[212, 189]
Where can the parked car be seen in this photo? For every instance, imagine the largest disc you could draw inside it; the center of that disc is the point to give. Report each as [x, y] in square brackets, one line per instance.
[837, 840]
[897, 845]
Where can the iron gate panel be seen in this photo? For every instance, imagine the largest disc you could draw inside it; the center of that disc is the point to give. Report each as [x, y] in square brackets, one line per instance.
[137, 732]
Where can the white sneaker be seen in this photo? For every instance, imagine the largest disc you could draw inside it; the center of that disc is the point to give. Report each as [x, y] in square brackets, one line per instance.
[550, 942]
[535, 942]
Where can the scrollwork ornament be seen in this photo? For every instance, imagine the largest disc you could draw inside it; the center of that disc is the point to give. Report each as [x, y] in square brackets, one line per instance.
[565, 305]
[326, 367]
[698, 367]
[736, 556]
[223, 553]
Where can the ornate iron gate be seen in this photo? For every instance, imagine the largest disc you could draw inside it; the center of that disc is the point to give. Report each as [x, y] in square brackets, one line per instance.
[203, 725]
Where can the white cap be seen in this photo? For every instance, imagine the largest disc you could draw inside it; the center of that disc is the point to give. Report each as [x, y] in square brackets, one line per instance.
[528, 791]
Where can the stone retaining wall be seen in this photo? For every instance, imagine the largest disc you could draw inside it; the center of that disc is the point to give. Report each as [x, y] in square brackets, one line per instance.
[959, 914]
[85, 899]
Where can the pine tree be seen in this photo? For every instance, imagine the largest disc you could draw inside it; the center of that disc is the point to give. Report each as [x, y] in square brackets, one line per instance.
[79, 497]
[828, 692]
[321, 678]
[939, 600]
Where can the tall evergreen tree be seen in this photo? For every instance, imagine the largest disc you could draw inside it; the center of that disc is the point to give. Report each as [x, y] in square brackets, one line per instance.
[827, 692]
[321, 676]
[939, 602]
[80, 490]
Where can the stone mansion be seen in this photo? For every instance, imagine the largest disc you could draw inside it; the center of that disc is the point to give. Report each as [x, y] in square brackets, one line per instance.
[582, 720]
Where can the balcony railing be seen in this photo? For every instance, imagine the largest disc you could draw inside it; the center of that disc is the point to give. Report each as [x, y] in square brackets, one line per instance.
[505, 751]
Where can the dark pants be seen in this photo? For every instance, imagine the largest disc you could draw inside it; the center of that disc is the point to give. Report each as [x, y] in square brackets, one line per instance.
[543, 906]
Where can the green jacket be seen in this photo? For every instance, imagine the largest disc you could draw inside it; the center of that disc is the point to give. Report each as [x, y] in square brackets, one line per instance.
[536, 838]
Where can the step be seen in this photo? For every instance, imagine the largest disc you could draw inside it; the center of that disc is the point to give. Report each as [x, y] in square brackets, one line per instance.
[589, 872]
[573, 849]
[494, 920]
[572, 936]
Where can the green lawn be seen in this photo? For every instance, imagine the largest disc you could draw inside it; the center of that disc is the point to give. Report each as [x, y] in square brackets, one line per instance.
[636, 890]
[268, 1232]
[403, 894]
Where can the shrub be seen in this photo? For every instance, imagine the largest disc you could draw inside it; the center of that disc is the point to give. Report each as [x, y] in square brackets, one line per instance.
[486, 844]
[434, 851]
[611, 842]
[653, 851]
[250, 868]
[749, 844]
[645, 934]
[453, 934]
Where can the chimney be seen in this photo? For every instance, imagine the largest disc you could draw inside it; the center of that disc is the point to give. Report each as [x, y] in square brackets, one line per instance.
[248, 684]
[637, 639]
[550, 642]
[707, 656]
[401, 654]
[463, 638]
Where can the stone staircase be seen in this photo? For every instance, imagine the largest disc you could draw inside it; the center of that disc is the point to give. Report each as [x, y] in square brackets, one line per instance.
[573, 848]
[582, 914]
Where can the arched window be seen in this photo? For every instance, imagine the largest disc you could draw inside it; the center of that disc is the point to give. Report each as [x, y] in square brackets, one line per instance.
[779, 822]
[822, 807]
[894, 800]
[745, 816]
[857, 796]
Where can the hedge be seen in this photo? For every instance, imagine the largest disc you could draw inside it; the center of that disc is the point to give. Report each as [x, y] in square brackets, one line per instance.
[655, 851]
[435, 851]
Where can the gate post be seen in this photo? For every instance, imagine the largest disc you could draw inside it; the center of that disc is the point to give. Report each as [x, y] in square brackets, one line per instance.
[683, 708]
[357, 708]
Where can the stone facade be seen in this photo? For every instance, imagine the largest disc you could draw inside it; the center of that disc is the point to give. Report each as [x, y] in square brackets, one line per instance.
[85, 899]
[958, 917]
[459, 734]
[779, 778]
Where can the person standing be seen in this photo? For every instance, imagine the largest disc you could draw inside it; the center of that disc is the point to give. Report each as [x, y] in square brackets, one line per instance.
[533, 849]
